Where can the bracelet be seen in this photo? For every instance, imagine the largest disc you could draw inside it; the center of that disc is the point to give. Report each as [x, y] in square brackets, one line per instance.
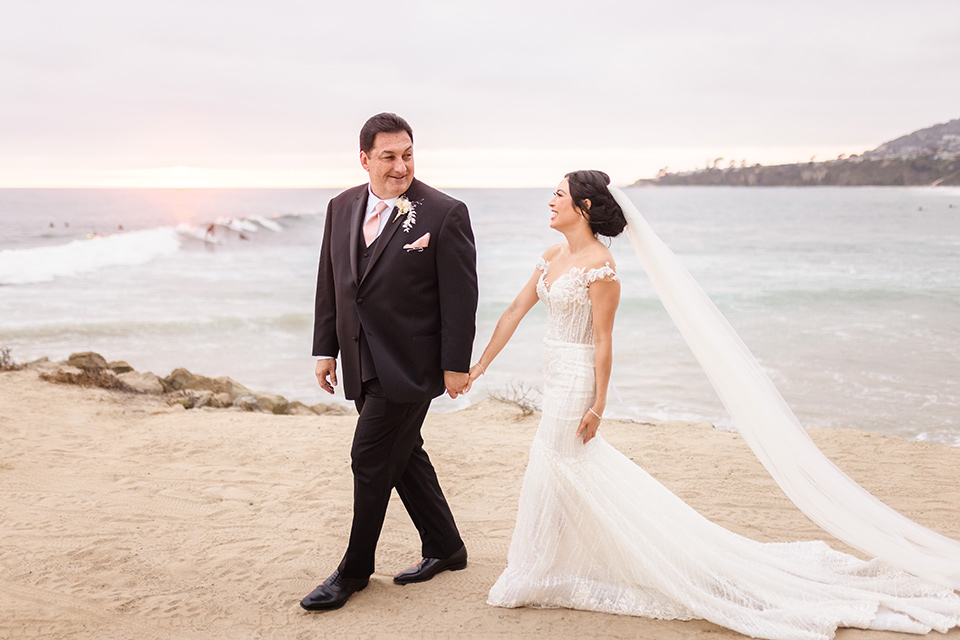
[483, 371]
[595, 413]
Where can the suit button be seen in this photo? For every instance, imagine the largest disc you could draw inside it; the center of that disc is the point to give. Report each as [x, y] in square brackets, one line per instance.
[356, 338]
[359, 300]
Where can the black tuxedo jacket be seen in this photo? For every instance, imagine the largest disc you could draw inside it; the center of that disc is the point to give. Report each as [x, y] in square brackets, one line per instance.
[417, 308]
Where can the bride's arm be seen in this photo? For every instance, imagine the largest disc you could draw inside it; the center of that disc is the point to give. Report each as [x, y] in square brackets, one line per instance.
[604, 297]
[506, 325]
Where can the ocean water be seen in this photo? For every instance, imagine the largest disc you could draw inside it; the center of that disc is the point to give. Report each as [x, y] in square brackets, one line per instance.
[849, 297]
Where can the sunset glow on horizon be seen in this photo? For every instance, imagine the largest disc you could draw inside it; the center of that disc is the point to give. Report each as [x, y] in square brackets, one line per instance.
[450, 168]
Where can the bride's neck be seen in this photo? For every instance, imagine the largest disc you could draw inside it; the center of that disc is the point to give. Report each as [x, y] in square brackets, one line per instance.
[579, 239]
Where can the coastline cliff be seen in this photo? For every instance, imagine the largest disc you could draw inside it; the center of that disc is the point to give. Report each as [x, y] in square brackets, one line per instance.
[927, 157]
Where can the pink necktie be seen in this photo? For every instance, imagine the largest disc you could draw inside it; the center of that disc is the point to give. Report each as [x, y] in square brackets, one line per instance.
[371, 226]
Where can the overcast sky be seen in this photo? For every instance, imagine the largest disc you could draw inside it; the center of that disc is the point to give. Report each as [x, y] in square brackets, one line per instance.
[499, 93]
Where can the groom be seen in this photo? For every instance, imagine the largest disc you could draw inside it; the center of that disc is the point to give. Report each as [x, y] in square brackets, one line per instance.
[397, 300]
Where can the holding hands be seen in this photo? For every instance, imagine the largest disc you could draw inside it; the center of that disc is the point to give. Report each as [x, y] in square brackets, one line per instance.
[456, 382]
[475, 372]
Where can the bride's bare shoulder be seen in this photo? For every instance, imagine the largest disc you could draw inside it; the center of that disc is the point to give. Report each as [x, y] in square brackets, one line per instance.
[601, 257]
[552, 252]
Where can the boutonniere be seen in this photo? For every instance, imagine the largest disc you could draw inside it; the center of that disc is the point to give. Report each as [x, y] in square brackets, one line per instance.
[408, 211]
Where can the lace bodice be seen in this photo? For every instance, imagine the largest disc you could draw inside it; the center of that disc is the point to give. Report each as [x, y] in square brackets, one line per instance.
[569, 312]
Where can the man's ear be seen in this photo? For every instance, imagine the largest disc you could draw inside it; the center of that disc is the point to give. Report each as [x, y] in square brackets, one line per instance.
[364, 161]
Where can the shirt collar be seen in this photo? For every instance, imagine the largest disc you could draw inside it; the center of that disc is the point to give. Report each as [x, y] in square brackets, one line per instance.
[372, 201]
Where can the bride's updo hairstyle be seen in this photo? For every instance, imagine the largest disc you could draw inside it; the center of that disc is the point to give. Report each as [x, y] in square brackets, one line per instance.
[604, 214]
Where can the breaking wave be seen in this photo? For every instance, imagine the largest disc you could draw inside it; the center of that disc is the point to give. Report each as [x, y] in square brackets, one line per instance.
[123, 249]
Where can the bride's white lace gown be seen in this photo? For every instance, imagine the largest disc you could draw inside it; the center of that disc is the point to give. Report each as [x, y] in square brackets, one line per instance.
[595, 531]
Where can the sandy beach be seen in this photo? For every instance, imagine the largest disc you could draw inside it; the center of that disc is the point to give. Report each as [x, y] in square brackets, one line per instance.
[125, 517]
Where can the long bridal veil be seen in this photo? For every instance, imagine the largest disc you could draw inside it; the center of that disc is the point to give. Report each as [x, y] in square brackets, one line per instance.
[819, 488]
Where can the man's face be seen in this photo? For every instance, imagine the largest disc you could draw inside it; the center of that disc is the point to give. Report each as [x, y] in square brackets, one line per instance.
[390, 164]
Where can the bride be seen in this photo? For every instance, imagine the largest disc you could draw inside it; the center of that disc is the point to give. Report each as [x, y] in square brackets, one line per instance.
[594, 531]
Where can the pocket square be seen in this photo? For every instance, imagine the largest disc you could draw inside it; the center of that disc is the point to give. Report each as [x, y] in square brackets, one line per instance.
[419, 244]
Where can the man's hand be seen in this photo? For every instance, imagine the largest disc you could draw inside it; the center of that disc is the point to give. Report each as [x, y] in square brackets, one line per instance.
[327, 368]
[456, 382]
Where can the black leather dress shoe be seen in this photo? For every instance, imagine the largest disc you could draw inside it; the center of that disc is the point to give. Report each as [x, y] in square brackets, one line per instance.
[333, 593]
[429, 567]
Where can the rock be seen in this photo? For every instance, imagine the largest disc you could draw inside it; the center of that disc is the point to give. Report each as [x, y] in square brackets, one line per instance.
[191, 398]
[65, 370]
[221, 400]
[330, 409]
[223, 384]
[297, 408]
[201, 397]
[180, 379]
[141, 382]
[103, 378]
[87, 360]
[269, 402]
[120, 367]
[43, 362]
[247, 403]
[66, 374]
[179, 399]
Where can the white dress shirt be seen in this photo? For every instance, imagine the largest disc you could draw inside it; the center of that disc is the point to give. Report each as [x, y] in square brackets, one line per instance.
[372, 201]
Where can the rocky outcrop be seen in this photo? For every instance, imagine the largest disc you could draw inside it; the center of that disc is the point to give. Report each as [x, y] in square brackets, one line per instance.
[330, 409]
[180, 379]
[87, 360]
[120, 367]
[181, 387]
[297, 408]
[929, 157]
[247, 402]
[270, 402]
[191, 398]
[940, 139]
[926, 171]
[87, 369]
[142, 382]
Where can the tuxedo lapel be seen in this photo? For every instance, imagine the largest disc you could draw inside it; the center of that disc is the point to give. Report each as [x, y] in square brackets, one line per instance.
[383, 241]
[356, 220]
[392, 225]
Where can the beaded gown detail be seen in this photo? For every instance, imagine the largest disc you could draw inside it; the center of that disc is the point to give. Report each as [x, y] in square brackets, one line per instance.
[596, 532]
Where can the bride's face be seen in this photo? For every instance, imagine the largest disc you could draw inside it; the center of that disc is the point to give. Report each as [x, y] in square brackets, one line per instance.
[563, 213]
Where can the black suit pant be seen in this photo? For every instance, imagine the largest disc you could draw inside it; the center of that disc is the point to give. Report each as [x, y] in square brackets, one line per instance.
[388, 452]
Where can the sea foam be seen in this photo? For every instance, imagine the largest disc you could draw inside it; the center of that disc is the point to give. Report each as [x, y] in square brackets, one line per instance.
[44, 264]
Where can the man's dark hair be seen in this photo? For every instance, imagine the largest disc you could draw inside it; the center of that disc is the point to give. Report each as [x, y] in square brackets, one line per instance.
[382, 123]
